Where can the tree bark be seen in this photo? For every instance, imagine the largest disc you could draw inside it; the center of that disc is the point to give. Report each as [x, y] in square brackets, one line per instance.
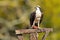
[33, 36]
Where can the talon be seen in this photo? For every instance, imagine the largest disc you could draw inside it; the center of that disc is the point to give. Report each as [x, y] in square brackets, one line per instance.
[39, 28]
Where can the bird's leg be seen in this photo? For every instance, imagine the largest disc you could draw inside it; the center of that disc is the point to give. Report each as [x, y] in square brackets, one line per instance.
[38, 24]
[33, 23]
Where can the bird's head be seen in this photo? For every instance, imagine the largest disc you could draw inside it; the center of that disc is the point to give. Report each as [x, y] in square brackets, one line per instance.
[38, 8]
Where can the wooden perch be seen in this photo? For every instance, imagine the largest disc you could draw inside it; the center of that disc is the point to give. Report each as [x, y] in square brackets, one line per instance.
[33, 36]
[33, 33]
[23, 31]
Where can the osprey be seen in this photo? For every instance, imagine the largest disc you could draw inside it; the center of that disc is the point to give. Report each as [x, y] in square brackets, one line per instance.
[36, 17]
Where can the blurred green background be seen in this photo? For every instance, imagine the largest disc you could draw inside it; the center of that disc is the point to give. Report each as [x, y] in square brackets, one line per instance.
[14, 14]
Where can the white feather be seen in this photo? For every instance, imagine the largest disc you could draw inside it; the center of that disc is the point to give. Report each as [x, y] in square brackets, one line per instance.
[38, 13]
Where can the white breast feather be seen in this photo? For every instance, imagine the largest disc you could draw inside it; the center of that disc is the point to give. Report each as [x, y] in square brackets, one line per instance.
[38, 13]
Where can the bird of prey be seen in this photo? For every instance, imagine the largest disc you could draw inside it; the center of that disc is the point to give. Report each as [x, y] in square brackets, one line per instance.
[36, 17]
